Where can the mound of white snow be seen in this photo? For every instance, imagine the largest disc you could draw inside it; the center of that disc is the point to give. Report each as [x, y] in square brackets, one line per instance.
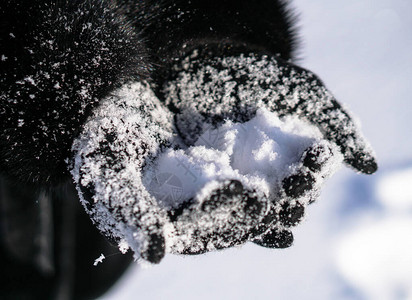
[258, 153]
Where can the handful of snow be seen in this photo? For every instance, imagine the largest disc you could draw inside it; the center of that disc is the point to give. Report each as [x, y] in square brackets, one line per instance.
[259, 153]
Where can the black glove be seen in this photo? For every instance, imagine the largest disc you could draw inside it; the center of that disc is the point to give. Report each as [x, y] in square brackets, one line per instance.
[114, 160]
[119, 141]
[194, 43]
[206, 90]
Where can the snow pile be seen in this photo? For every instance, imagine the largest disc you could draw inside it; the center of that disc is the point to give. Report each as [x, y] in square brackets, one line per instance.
[259, 153]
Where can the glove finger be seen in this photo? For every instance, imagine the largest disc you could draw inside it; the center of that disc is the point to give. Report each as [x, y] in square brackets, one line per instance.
[154, 250]
[338, 127]
[288, 215]
[291, 214]
[275, 238]
[222, 219]
[316, 156]
[314, 168]
[297, 190]
[116, 227]
[232, 194]
[320, 107]
[306, 96]
[297, 184]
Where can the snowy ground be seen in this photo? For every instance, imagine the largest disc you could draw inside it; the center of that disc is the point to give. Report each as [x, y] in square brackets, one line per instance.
[357, 240]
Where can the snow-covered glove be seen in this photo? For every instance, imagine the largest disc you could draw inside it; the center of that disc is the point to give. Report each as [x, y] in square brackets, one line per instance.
[118, 142]
[297, 191]
[205, 91]
[221, 215]
[128, 152]
[114, 168]
[234, 214]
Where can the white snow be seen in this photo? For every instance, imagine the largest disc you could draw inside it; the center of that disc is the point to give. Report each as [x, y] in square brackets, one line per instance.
[30, 80]
[99, 260]
[258, 153]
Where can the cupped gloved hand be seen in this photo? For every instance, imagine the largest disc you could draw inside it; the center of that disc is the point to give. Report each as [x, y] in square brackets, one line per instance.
[117, 163]
[205, 91]
[118, 142]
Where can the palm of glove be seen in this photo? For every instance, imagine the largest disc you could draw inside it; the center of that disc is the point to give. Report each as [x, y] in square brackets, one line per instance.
[211, 90]
[122, 141]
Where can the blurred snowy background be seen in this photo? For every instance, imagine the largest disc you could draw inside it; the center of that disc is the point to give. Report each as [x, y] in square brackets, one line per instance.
[357, 240]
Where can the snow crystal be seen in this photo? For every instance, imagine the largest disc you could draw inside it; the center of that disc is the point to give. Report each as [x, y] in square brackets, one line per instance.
[30, 80]
[99, 260]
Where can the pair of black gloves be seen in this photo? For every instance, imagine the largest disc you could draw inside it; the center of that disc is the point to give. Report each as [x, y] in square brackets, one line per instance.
[121, 142]
[106, 87]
